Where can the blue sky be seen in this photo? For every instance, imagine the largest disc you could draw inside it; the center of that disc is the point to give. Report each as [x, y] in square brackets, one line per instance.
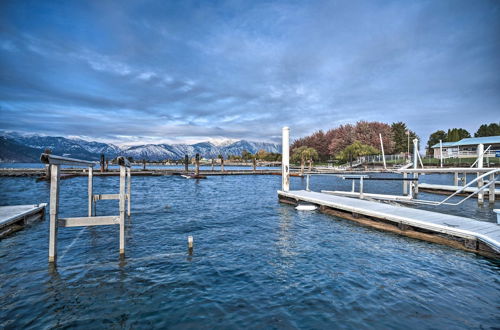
[185, 71]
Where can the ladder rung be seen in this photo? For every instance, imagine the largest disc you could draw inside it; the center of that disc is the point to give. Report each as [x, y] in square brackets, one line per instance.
[89, 221]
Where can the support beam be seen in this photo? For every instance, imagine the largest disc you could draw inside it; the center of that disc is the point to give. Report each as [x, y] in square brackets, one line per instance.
[88, 221]
[285, 161]
[54, 211]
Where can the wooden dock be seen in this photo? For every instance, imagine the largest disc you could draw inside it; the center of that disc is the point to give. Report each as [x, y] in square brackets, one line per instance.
[15, 217]
[447, 189]
[67, 173]
[459, 232]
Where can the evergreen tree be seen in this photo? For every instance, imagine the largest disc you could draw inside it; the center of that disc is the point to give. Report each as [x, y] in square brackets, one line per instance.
[400, 136]
[435, 137]
[492, 129]
[457, 134]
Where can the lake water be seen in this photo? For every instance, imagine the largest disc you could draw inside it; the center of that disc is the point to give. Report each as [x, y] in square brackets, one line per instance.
[256, 263]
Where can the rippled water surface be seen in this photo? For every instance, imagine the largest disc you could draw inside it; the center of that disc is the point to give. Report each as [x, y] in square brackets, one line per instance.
[256, 263]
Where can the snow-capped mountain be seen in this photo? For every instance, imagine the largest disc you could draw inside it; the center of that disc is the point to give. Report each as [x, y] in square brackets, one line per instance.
[16, 147]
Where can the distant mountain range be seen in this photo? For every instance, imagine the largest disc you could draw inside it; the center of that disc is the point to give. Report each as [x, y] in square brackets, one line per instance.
[16, 147]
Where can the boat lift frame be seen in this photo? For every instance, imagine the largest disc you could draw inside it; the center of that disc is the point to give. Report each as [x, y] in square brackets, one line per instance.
[55, 163]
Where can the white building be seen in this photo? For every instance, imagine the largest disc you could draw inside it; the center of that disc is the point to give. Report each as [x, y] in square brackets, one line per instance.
[467, 148]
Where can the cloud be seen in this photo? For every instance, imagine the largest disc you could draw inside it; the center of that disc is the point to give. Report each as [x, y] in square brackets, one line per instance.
[166, 70]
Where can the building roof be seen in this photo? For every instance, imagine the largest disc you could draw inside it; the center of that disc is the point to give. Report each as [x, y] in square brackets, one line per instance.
[471, 141]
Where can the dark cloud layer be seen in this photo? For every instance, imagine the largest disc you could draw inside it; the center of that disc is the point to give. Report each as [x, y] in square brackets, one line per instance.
[185, 70]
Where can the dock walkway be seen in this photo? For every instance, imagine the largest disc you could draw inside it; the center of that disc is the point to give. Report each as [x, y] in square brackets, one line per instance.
[468, 234]
[15, 217]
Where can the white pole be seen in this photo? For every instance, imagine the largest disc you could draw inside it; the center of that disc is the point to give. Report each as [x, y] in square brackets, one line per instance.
[382, 146]
[480, 158]
[54, 211]
[285, 161]
[122, 209]
[415, 164]
[90, 192]
[441, 151]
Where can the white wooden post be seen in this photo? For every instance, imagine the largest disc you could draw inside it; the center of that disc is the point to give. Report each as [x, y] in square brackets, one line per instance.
[415, 163]
[491, 193]
[405, 184]
[285, 161]
[129, 190]
[480, 157]
[307, 182]
[441, 152]
[90, 193]
[455, 179]
[382, 146]
[122, 209]
[361, 187]
[54, 211]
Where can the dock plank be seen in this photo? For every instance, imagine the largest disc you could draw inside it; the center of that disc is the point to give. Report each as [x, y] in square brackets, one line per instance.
[462, 227]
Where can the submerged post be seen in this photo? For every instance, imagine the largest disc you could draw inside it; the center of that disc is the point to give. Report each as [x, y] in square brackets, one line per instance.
[480, 158]
[90, 193]
[415, 164]
[285, 161]
[383, 154]
[54, 211]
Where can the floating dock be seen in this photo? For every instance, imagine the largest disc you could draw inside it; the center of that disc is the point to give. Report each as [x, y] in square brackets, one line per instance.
[15, 217]
[447, 189]
[468, 234]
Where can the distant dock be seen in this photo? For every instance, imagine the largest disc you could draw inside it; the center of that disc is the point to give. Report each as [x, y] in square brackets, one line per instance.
[73, 172]
[15, 217]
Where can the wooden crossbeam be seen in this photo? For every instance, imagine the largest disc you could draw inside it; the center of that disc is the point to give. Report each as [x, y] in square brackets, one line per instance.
[89, 221]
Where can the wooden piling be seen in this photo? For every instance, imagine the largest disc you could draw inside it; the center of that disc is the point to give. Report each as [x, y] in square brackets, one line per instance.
[254, 163]
[102, 163]
[197, 164]
[222, 163]
[54, 211]
[186, 163]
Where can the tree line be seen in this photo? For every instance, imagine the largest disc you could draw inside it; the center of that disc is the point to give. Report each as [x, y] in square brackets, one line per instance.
[353, 140]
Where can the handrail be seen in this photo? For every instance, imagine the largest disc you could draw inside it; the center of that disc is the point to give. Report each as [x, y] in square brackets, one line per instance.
[60, 160]
[443, 202]
[477, 159]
